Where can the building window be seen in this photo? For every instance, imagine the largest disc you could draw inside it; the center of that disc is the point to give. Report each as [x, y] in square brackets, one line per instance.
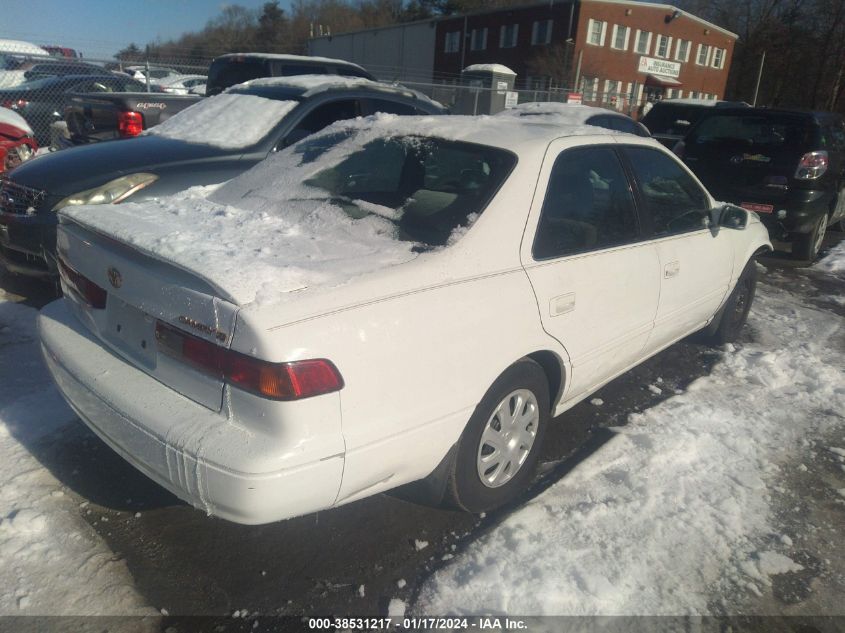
[619, 41]
[508, 35]
[612, 89]
[478, 39]
[453, 42]
[663, 44]
[541, 32]
[642, 42]
[682, 51]
[701, 55]
[596, 31]
[718, 58]
[589, 88]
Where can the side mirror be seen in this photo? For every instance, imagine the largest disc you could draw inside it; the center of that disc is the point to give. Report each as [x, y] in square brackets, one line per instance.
[729, 216]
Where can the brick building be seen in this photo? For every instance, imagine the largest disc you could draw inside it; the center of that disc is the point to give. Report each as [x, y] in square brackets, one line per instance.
[615, 52]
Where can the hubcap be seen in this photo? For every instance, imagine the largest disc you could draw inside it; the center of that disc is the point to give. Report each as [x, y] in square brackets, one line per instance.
[741, 300]
[507, 438]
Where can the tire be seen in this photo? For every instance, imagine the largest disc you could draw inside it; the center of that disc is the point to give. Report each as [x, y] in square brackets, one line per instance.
[482, 476]
[733, 315]
[807, 246]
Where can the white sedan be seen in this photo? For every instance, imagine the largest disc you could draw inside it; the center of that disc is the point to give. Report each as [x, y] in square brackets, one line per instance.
[390, 300]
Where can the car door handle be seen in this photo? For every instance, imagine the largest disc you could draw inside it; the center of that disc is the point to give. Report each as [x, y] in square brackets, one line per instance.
[562, 304]
[671, 269]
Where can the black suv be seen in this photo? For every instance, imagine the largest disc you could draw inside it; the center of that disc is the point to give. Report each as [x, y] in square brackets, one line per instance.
[788, 166]
[670, 120]
[235, 68]
[200, 151]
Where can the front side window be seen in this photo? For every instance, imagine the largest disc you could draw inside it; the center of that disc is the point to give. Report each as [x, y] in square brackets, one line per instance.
[671, 198]
[588, 205]
[453, 42]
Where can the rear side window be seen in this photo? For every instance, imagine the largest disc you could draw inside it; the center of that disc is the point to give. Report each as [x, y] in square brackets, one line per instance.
[289, 70]
[588, 205]
[672, 200]
[390, 107]
[228, 72]
[430, 190]
[764, 131]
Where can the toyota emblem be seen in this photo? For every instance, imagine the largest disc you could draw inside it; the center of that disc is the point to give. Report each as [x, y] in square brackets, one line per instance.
[115, 278]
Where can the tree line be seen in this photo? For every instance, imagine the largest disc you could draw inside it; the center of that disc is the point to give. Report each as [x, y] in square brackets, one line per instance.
[803, 41]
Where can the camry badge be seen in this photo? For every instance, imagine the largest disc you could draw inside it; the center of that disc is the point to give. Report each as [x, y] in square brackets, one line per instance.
[115, 279]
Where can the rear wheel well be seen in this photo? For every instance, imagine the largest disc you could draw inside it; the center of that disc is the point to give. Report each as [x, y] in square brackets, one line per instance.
[550, 363]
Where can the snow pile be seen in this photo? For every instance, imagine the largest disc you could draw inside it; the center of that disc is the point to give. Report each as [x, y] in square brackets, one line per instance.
[51, 561]
[834, 261]
[677, 501]
[12, 78]
[229, 121]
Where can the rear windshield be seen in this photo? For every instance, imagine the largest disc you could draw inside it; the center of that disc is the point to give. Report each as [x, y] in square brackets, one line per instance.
[673, 119]
[228, 72]
[430, 190]
[770, 131]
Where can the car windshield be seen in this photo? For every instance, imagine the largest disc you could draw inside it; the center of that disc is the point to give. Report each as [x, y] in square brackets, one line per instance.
[227, 121]
[771, 130]
[429, 189]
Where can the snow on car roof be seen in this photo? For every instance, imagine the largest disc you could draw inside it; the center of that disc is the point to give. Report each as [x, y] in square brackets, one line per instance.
[293, 58]
[266, 233]
[310, 85]
[494, 68]
[19, 47]
[571, 113]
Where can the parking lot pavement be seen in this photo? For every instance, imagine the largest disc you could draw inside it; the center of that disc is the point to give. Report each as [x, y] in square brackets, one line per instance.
[355, 559]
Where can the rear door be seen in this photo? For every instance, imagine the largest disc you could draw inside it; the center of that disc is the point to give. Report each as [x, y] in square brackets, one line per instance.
[595, 277]
[695, 263]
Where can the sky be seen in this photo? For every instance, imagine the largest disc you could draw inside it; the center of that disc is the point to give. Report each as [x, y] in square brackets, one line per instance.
[103, 27]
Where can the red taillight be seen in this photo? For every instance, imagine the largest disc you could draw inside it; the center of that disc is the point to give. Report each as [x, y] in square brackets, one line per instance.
[14, 104]
[278, 381]
[812, 165]
[130, 123]
[82, 287]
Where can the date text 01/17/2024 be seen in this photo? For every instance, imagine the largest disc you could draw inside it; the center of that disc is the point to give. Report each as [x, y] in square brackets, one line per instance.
[421, 623]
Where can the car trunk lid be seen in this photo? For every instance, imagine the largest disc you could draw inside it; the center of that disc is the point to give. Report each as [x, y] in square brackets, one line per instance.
[142, 291]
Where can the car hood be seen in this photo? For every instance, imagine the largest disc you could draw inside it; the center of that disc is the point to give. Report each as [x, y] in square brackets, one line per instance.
[79, 168]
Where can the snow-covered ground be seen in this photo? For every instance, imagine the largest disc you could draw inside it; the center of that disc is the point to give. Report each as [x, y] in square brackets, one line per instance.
[678, 509]
[674, 511]
[51, 561]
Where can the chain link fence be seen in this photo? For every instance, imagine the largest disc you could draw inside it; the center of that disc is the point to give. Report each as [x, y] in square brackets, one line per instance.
[37, 84]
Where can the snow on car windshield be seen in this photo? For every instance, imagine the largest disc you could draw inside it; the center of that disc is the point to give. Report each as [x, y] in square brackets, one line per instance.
[228, 121]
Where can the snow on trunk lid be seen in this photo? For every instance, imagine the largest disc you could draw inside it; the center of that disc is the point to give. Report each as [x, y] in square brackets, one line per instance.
[141, 291]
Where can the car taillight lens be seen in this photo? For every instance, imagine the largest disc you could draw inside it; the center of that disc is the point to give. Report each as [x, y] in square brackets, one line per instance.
[15, 104]
[130, 123]
[278, 381]
[812, 165]
[85, 289]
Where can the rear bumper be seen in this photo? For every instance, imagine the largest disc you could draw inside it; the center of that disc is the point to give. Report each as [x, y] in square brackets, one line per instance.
[801, 210]
[200, 456]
